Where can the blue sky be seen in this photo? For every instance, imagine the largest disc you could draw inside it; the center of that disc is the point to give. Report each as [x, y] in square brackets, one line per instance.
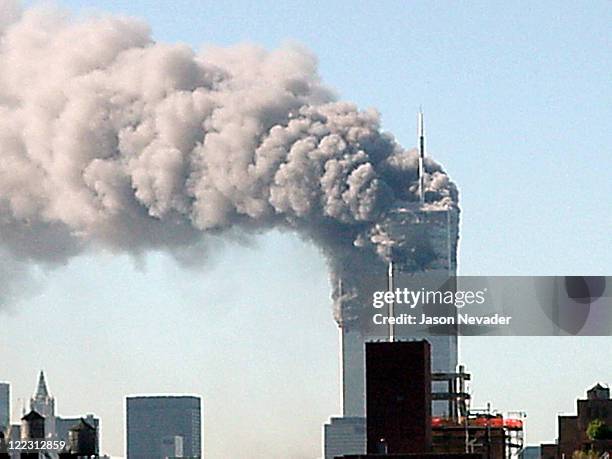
[518, 107]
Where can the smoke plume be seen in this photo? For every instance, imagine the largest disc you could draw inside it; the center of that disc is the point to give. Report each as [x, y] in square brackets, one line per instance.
[111, 140]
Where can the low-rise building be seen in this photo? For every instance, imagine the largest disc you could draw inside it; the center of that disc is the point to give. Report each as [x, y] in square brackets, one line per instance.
[573, 432]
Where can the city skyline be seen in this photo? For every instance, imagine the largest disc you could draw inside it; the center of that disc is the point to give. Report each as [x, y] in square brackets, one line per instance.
[516, 113]
[167, 410]
[162, 408]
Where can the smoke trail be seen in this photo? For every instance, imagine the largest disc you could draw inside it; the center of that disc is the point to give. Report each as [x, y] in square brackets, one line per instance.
[108, 139]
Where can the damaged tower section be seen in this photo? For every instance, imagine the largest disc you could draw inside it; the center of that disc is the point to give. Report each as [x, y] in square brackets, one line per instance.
[416, 243]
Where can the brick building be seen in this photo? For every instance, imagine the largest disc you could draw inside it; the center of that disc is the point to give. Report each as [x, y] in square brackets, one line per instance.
[572, 430]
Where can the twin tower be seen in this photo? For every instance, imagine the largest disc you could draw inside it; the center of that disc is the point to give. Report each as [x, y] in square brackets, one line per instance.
[421, 240]
[415, 229]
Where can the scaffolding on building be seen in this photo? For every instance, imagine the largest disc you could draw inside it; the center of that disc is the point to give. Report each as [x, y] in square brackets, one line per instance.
[471, 430]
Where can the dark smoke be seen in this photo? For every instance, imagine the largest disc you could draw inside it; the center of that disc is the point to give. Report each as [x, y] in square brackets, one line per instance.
[111, 140]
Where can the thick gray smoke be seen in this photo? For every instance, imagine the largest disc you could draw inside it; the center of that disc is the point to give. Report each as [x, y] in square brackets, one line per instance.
[110, 140]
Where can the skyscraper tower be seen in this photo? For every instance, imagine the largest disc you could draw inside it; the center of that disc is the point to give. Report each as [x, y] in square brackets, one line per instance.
[421, 243]
[435, 233]
[44, 404]
[420, 238]
[5, 406]
[152, 422]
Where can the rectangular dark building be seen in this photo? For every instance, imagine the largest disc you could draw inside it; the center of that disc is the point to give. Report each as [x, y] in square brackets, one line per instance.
[152, 419]
[398, 397]
[5, 407]
[414, 456]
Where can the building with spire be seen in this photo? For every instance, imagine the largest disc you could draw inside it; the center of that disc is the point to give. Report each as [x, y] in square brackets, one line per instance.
[44, 404]
[54, 427]
[420, 238]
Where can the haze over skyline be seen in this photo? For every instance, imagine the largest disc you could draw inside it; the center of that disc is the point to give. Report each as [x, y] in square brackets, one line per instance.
[517, 106]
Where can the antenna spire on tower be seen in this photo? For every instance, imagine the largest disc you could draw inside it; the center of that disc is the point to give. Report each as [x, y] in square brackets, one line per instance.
[421, 140]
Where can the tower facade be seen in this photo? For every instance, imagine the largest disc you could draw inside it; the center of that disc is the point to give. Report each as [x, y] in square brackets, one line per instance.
[413, 246]
[5, 407]
[152, 420]
[44, 404]
[422, 250]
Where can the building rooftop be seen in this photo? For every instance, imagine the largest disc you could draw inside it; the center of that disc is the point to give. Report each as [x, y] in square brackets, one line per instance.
[31, 416]
[82, 425]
